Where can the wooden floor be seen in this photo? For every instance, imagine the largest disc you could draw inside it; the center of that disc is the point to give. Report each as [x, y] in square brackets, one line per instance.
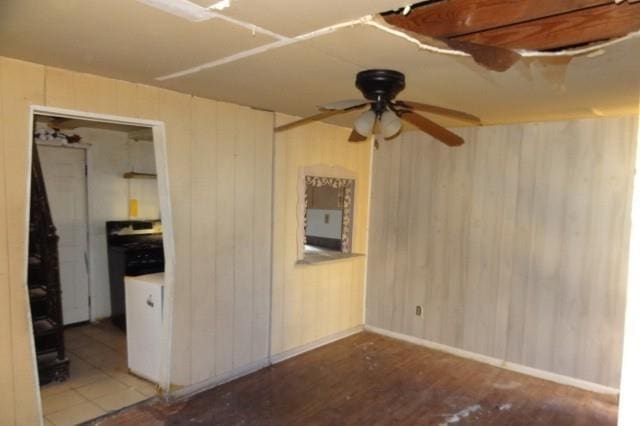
[368, 379]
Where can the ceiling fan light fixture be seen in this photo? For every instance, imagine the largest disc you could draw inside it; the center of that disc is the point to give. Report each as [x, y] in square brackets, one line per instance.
[364, 123]
[390, 124]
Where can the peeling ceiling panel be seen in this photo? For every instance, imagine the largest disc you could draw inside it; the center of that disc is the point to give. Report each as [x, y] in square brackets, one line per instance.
[119, 38]
[525, 24]
[532, 90]
[295, 17]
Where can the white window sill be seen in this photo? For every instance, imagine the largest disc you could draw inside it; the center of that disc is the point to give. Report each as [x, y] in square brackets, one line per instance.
[316, 259]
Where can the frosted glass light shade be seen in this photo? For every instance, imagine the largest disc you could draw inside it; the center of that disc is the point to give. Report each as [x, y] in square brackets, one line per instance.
[364, 123]
[390, 124]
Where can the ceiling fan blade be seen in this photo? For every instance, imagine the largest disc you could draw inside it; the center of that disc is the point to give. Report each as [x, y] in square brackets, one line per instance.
[459, 115]
[435, 130]
[344, 104]
[319, 117]
[310, 119]
[356, 137]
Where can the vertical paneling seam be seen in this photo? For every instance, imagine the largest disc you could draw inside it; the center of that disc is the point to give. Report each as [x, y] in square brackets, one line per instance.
[190, 233]
[271, 236]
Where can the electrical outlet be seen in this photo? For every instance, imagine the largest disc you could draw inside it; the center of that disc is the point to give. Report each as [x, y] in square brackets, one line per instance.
[419, 310]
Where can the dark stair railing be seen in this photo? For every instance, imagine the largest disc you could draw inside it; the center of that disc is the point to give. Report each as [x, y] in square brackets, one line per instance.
[43, 278]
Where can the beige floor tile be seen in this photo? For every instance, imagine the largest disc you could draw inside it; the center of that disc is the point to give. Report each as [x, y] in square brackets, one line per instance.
[76, 414]
[101, 388]
[118, 344]
[109, 338]
[54, 388]
[142, 386]
[90, 330]
[85, 379]
[74, 332]
[119, 400]
[91, 348]
[108, 360]
[60, 401]
[47, 422]
[146, 389]
[79, 366]
[75, 342]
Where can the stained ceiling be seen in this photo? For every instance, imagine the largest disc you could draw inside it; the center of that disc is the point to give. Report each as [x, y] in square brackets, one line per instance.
[290, 55]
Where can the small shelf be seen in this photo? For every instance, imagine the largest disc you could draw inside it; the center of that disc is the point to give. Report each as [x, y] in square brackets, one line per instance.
[37, 294]
[137, 175]
[44, 327]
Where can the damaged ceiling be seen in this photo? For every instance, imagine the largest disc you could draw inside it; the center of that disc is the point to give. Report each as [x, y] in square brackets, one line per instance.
[288, 56]
[534, 25]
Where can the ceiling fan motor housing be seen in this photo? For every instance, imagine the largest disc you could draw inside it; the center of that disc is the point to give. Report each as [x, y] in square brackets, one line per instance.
[380, 85]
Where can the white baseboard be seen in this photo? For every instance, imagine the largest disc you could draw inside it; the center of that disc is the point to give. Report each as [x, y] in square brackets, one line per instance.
[258, 365]
[218, 380]
[530, 371]
[279, 357]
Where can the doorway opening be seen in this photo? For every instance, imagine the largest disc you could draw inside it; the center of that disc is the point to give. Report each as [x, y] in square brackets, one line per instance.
[101, 256]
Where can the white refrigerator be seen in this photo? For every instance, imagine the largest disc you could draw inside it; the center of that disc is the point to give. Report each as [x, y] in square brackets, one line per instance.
[144, 302]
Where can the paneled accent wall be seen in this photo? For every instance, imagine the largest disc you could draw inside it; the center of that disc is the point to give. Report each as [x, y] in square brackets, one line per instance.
[220, 162]
[311, 302]
[514, 244]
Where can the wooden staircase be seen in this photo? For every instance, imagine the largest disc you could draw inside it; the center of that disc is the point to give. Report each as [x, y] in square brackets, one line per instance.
[44, 283]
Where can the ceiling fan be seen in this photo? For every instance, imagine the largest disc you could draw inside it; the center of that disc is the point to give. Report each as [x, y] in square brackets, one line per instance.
[384, 114]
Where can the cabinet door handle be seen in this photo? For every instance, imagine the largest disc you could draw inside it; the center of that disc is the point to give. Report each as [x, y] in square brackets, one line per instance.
[150, 301]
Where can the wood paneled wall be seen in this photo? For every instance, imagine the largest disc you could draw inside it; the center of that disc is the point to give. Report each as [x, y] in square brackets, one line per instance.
[515, 244]
[311, 302]
[21, 84]
[220, 166]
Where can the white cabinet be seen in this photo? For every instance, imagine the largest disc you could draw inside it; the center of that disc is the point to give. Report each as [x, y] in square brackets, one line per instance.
[144, 302]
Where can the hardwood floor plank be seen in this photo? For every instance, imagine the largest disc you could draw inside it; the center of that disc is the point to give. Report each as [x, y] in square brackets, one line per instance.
[375, 380]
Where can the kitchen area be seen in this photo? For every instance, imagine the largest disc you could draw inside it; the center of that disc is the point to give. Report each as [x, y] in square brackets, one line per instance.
[102, 190]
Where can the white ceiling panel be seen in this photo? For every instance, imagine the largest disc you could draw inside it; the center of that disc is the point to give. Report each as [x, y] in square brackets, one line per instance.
[117, 38]
[292, 79]
[294, 17]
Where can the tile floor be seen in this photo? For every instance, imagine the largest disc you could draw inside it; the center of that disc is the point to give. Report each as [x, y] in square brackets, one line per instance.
[99, 381]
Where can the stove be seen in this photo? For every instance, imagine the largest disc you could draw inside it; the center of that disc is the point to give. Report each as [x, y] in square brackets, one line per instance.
[134, 248]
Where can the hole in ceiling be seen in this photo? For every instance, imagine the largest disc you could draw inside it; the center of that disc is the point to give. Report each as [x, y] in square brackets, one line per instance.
[539, 25]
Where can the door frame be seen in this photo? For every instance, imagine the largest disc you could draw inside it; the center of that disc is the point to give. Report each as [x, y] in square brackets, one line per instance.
[162, 170]
[84, 147]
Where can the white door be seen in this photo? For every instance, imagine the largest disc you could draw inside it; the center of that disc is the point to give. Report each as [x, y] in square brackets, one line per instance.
[66, 184]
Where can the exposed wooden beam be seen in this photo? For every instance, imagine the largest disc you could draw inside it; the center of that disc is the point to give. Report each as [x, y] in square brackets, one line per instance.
[584, 26]
[458, 17]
